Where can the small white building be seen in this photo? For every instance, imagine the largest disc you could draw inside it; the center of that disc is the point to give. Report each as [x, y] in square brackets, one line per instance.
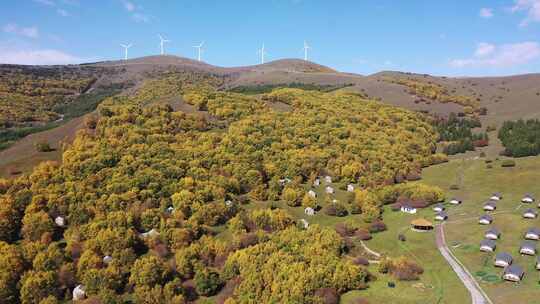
[151, 233]
[60, 221]
[328, 179]
[530, 214]
[503, 260]
[438, 208]
[455, 201]
[532, 234]
[316, 182]
[441, 216]
[284, 181]
[528, 199]
[309, 211]
[305, 223]
[408, 209]
[170, 209]
[107, 259]
[312, 193]
[329, 190]
[493, 234]
[488, 246]
[528, 248]
[79, 293]
[497, 196]
[513, 273]
[485, 219]
[228, 203]
[350, 188]
[490, 205]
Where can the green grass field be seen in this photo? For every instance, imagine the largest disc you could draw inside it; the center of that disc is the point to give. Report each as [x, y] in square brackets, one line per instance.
[438, 284]
[463, 233]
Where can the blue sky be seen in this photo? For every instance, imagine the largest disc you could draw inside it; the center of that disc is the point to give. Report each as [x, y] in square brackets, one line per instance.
[496, 37]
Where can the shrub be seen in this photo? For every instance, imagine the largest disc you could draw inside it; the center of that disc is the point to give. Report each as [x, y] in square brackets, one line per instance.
[327, 295]
[356, 209]
[91, 121]
[377, 226]
[508, 163]
[361, 261]
[395, 207]
[292, 197]
[335, 209]
[402, 268]
[413, 176]
[43, 146]
[344, 229]
[363, 234]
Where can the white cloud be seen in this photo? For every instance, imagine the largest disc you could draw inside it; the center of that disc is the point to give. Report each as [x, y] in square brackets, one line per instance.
[506, 55]
[141, 18]
[130, 7]
[46, 2]
[30, 32]
[486, 13]
[136, 11]
[37, 57]
[71, 2]
[532, 7]
[63, 12]
[484, 49]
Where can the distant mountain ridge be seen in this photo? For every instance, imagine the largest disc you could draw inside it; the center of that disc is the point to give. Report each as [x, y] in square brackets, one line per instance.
[505, 97]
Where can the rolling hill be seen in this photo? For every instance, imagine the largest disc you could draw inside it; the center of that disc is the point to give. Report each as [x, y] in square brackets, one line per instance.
[502, 98]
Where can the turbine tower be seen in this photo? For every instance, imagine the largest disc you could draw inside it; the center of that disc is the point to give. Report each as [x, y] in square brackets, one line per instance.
[306, 48]
[126, 47]
[161, 43]
[262, 52]
[199, 49]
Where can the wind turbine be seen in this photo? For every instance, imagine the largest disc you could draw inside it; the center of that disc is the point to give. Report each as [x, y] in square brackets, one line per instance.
[306, 48]
[126, 47]
[162, 41]
[262, 52]
[199, 48]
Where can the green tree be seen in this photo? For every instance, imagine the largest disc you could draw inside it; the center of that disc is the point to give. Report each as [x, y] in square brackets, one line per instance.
[207, 282]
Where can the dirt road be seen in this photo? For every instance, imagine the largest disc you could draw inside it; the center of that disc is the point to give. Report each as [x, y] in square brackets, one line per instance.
[478, 296]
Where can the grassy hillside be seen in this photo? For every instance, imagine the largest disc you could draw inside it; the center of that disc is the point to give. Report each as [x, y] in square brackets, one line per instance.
[477, 183]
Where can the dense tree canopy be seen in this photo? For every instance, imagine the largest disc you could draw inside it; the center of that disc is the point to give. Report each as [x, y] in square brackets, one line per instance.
[437, 92]
[521, 138]
[135, 206]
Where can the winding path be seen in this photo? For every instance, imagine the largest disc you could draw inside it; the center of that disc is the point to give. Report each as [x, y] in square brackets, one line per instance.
[366, 248]
[477, 294]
